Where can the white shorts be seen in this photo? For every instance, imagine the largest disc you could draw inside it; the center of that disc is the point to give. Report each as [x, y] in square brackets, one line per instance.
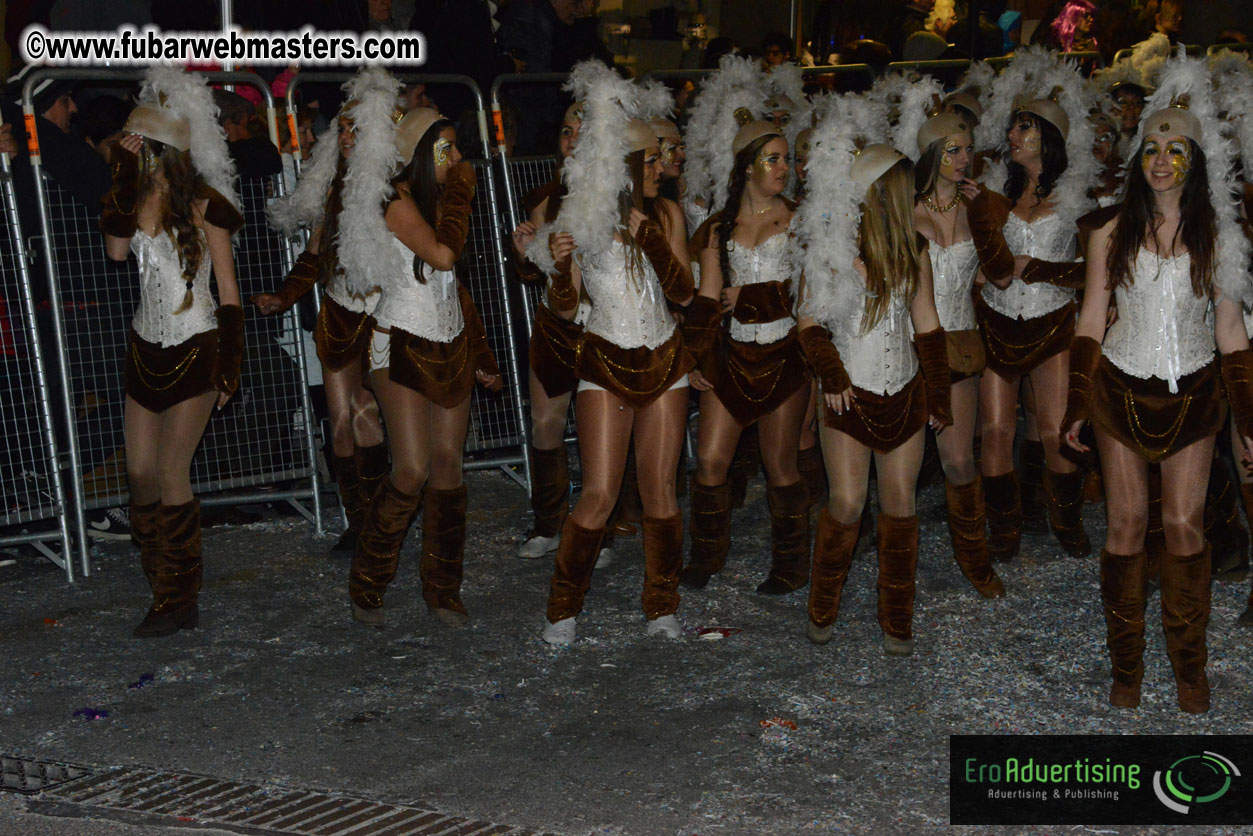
[588, 386]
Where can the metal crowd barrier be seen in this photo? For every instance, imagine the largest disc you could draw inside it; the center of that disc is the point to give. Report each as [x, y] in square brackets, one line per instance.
[260, 447]
[498, 421]
[32, 496]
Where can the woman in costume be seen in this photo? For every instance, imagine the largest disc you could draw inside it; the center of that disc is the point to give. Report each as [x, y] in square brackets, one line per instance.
[1149, 383]
[626, 248]
[345, 322]
[428, 347]
[173, 205]
[753, 371]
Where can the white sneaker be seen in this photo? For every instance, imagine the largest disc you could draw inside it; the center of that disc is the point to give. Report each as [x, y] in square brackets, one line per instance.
[108, 523]
[604, 558]
[667, 626]
[537, 546]
[560, 634]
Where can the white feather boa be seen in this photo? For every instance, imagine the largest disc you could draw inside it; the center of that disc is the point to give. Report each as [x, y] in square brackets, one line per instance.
[596, 172]
[1233, 84]
[1024, 76]
[187, 95]
[910, 104]
[712, 125]
[366, 247]
[303, 207]
[1141, 67]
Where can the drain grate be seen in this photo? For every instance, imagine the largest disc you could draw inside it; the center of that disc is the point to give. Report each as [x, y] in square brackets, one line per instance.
[30, 776]
[255, 809]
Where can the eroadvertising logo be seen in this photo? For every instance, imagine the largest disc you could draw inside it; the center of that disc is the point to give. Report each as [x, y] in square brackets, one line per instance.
[1098, 779]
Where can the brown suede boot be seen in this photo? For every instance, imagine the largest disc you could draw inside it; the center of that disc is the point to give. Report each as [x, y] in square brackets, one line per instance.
[833, 557]
[1004, 510]
[572, 570]
[378, 551]
[1064, 493]
[1122, 592]
[174, 571]
[443, 553]
[711, 532]
[349, 485]
[663, 557]
[814, 472]
[789, 533]
[1224, 531]
[898, 564]
[967, 527]
[1031, 484]
[550, 500]
[1185, 617]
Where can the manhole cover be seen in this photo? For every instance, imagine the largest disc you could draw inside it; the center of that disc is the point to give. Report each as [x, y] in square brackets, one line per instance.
[30, 776]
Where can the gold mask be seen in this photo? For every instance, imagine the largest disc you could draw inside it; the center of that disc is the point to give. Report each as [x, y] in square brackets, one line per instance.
[442, 147]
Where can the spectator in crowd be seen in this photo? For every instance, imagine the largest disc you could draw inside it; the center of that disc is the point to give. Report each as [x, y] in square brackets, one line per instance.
[1072, 28]
[776, 48]
[1129, 101]
[988, 37]
[1169, 19]
[102, 120]
[1010, 24]
[1115, 27]
[915, 18]
[715, 49]
[252, 151]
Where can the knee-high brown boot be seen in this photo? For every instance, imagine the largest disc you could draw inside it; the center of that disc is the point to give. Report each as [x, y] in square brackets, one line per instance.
[443, 553]
[1185, 617]
[1122, 592]
[572, 570]
[967, 527]
[378, 551]
[814, 472]
[789, 533]
[1064, 492]
[550, 497]
[175, 572]
[711, 532]
[898, 564]
[349, 484]
[663, 557]
[1246, 617]
[1224, 531]
[146, 533]
[1031, 482]
[1004, 509]
[833, 556]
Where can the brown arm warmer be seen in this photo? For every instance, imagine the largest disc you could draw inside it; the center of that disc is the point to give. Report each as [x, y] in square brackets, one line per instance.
[701, 324]
[476, 333]
[119, 212]
[987, 214]
[1085, 356]
[230, 348]
[675, 276]
[454, 217]
[1237, 368]
[763, 302]
[561, 293]
[1061, 273]
[526, 270]
[219, 211]
[932, 348]
[824, 359]
[301, 279]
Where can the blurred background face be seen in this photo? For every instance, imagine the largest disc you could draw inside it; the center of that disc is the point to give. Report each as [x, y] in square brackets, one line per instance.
[568, 11]
[568, 137]
[306, 138]
[673, 155]
[1103, 146]
[1130, 105]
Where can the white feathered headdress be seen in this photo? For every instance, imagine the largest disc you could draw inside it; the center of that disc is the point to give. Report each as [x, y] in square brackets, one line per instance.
[1141, 67]
[189, 97]
[1186, 81]
[729, 99]
[1233, 84]
[909, 98]
[366, 251]
[303, 207]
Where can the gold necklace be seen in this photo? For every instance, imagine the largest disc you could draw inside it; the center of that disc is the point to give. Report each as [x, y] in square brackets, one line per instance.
[948, 207]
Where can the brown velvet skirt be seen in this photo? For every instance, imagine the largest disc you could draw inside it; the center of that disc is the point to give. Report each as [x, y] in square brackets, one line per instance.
[637, 375]
[883, 422]
[1016, 346]
[443, 373]
[342, 336]
[158, 378]
[1147, 418]
[752, 380]
[554, 351]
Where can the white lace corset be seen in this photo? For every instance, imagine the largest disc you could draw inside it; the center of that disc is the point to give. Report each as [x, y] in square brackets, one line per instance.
[337, 288]
[1046, 239]
[772, 260]
[883, 360]
[431, 310]
[953, 271]
[1162, 328]
[162, 289]
[628, 311]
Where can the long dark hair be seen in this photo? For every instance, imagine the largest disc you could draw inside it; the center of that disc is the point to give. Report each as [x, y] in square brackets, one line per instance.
[328, 249]
[178, 211]
[735, 196]
[1197, 226]
[1052, 156]
[419, 176]
[634, 199]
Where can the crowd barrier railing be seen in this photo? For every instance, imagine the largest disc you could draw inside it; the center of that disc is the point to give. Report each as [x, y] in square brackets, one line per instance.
[32, 494]
[261, 446]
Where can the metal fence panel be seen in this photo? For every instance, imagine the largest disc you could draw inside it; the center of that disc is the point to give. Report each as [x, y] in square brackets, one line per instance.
[526, 174]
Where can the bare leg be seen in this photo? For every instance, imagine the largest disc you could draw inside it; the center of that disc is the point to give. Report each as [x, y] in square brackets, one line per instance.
[182, 428]
[604, 425]
[716, 440]
[848, 473]
[408, 424]
[956, 444]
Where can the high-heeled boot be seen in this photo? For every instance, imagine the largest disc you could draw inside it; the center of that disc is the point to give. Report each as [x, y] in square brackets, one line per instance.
[174, 571]
[378, 551]
[834, 544]
[898, 565]
[1004, 510]
[967, 526]
[1123, 594]
[1064, 492]
[1185, 617]
[789, 534]
[711, 532]
[443, 553]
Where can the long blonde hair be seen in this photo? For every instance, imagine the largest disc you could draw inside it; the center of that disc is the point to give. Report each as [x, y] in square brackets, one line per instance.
[888, 242]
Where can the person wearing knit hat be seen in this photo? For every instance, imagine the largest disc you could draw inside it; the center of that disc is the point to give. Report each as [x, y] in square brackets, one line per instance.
[345, 318]
[945, 147]
[617, 241]
[173, 206]
[428, 347]
[1175, 261]
[751, 371]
